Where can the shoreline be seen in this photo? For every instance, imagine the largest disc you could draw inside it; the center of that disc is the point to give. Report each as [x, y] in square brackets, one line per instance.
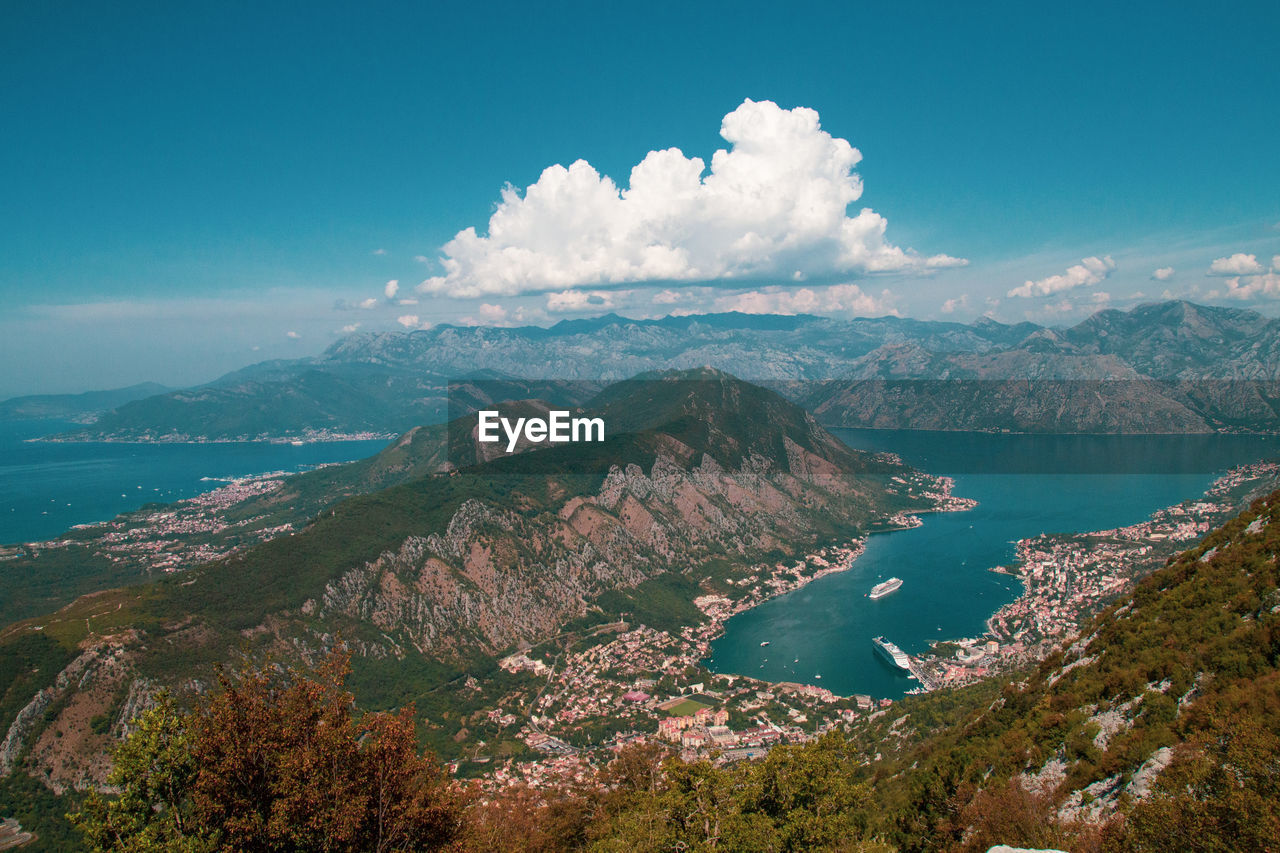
[298, 440]
[1067, 578]
[848, 554]
[581, 685]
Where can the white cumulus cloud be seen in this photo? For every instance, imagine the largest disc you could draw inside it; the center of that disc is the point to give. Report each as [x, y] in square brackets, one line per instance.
[955, 303]
[409, 321]
[292, 335]
[1257, 283]
[391, 288]
[371, 302]
[1088, 272]
[1162, 274]
[773, 204]
[1253, 286]
[1237, 264]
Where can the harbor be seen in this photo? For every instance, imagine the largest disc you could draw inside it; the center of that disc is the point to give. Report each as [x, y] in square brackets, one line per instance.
[949, 590]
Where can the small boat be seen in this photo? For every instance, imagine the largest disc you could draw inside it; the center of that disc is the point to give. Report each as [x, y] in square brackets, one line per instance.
[765, 643]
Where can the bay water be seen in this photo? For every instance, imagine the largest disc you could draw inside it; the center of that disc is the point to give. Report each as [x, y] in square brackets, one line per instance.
[1025, 485]
[46, 487]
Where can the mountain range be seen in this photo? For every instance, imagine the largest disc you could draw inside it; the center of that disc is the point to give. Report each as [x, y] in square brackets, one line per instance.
[1164, 367]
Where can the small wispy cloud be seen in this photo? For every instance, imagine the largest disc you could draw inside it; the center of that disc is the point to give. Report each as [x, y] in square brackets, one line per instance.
[670, 297]
[583, 300]
[1088, 272]
[838, 299]
[390, 289]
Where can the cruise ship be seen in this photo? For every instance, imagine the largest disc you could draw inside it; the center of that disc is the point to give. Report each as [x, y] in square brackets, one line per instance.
[880, 590]
[892, 653]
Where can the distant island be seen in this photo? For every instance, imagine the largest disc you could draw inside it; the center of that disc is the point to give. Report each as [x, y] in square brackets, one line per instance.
[84, 408]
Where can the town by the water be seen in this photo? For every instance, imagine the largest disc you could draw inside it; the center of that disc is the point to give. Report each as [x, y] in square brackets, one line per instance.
[571, 701]
[632, 683]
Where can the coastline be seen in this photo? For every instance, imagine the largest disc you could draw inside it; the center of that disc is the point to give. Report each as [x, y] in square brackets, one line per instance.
[720, 609]
[612, 681]
[1067, 578]
[318, 437]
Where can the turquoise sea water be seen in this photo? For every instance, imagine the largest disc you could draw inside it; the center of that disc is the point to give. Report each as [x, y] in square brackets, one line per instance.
[45, 488]
[825, 629]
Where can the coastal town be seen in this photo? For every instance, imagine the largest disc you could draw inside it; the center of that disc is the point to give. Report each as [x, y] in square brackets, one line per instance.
[1069, 577]
[569, 701]
[166, 538]
[578, 701]
[307, 436]
[628, 684]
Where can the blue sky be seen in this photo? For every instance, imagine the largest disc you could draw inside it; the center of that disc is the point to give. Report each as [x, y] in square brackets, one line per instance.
[189, 188]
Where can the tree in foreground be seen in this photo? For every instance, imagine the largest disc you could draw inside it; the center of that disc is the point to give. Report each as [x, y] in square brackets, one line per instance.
[273, 763]
[153, 772]
[646, 801]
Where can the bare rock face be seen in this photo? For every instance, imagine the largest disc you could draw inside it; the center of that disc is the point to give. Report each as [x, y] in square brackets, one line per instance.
[496, 577]
[52, 737]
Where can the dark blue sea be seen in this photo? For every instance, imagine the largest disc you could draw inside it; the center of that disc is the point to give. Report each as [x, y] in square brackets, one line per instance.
[1024, 485]
[45, 487]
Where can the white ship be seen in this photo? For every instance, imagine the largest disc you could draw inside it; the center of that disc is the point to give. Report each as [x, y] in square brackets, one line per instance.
[880, 590]
[892, 653]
